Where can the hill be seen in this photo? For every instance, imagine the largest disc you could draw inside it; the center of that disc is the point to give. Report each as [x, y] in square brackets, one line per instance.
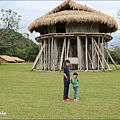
[13, 43]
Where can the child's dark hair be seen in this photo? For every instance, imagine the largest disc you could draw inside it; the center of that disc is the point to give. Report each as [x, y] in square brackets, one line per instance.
[75, 74]
[67, 61]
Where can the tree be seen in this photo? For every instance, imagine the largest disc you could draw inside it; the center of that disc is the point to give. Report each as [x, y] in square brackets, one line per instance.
[9, 19]
[115, 53]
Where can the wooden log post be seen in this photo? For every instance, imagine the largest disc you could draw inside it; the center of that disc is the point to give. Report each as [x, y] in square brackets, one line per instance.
[63, 49]
[103, 58]
[86, 53]
[49, 54]
[79, 52]
[103, 52]
[98, 58]
[38, 56]
[44, 55]
[55, 55]
[68, 47]
[93, 52]
[52, 53]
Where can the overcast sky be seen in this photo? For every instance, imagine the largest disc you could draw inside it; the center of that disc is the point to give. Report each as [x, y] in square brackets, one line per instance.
[30, 10]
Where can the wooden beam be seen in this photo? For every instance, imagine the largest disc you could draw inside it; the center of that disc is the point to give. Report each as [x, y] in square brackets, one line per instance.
[103, 58]
[49, 54]
[44, 55]
[79, 51]
[68, 46]
[103, 52]
[86, 55]
[55, 55]
[112, 60]
[38, 56]
[52, 53]
[98, 56]
[63, 49]
[93, 54]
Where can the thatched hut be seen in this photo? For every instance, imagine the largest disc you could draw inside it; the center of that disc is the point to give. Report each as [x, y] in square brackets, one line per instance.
[18, 60]
[75, 32]
[6, 59]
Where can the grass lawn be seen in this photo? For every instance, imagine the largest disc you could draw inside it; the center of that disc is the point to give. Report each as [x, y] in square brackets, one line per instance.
[31, 95]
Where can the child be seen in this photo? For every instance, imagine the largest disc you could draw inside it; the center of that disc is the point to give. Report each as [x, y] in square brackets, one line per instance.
[66, 81]
[74, 82]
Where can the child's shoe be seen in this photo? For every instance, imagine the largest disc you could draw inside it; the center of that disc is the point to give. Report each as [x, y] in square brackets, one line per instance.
[68, 99]
[65, 100]
[76, 100]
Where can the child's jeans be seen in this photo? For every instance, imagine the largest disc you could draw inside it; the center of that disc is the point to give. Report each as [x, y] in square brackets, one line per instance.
[75, 91]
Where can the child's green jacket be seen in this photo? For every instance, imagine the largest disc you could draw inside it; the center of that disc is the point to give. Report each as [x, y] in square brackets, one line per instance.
[74, 82]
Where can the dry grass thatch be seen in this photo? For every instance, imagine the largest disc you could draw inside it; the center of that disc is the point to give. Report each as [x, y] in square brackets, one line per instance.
[18, 59]
[7, 58]
[70, 11]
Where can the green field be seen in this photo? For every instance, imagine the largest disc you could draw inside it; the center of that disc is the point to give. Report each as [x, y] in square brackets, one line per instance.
[31, 95]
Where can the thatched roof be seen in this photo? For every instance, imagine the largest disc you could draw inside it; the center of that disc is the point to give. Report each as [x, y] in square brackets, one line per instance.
[18, 59]
[70, 11]
[7, 58]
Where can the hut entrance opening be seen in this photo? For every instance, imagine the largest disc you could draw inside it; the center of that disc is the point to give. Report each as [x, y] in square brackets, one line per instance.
[60, 28]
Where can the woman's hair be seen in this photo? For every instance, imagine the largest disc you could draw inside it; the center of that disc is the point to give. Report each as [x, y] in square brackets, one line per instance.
[67, 61]
[75, 74]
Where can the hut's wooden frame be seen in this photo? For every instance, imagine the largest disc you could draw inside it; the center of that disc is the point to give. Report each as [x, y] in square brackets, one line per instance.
[94, 55]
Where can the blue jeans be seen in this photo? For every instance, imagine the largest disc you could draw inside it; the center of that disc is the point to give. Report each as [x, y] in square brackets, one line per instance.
[75, 91]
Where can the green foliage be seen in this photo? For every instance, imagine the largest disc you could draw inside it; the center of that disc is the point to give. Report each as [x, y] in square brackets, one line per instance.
[15, 44]
[115, 53]
[38, 95]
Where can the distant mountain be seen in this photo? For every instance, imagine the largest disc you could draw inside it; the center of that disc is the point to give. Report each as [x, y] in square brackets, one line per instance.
[13, 43]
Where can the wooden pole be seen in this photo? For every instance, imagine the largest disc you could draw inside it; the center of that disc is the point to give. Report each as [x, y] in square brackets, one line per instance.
[98, 58]
[49, 53]
[103, 52]
[78, 51]
[44, 55]
[86, 49]
[103, 58]
[52, 54]
[68, 46]
[38, 56]
[91, 61]
[63, 49]
[55, 55]
[93, 56]
[112, 60]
